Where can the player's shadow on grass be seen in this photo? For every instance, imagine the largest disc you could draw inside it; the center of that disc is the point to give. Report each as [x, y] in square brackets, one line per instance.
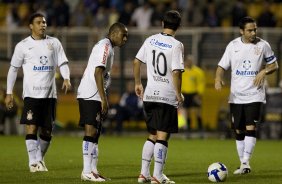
[174, 175]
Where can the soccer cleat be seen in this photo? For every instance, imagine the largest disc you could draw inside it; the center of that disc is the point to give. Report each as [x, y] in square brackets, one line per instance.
[38, 167]
[41, 166]
[33, 168]
[246, 168]
[243, 169]
[91, 177]
[144, 179]
[237, 171]
[163, 180]
[103, 177]
[165, 177]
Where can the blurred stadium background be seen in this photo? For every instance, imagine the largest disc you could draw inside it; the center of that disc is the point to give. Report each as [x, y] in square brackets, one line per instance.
[208, 26]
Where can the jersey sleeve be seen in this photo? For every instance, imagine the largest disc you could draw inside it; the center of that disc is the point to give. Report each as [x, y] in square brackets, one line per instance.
[18, 56]
[178, 58]
[225, 61]
[61, 56]
[141, 54]
[268, 54]
[103, 54]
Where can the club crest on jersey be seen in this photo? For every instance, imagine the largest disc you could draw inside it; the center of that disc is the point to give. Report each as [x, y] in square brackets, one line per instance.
[29, 115]
[257, 50]
[50, 46]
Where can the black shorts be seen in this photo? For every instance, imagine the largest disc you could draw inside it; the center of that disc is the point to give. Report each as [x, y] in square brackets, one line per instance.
[190, 100]
[161, 116]
[90, 111]
[245, 114]
[40, 112]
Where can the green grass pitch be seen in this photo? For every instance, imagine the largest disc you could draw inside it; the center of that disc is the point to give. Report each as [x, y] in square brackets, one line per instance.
[120, 159]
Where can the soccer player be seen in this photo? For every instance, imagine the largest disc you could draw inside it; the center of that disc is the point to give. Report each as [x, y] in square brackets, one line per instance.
[163, 56]
[193, 86]
[39, 55]
[91, 95]
[250, 59]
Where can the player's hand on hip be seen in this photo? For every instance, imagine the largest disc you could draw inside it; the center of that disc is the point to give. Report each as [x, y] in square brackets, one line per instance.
[259, 79]
[9, 101]
[66, 85]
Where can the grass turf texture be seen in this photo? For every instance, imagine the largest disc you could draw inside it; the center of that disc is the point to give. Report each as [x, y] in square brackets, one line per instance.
[120, 159]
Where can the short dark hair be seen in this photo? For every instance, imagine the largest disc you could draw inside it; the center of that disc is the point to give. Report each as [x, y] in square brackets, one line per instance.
[245, 21]
[172, 20]
[33, 16]
[116, 27]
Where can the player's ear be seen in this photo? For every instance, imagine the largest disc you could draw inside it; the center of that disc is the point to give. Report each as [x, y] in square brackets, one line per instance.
[114, 34]
[30, 26]
[241, 31]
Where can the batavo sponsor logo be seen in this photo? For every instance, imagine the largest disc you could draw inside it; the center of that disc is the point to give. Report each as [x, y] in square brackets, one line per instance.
[247, 65]
[105, 55]
[43, 68]
[246, 73]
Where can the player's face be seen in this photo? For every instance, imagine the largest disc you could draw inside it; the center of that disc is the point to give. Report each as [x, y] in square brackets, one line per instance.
[249, 33]
[121, 37]
[38, 27]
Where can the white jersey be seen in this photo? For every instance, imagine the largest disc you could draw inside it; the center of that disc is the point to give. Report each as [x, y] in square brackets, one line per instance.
[162, 54]
[245, 61]
[39, 60]
[102, 55]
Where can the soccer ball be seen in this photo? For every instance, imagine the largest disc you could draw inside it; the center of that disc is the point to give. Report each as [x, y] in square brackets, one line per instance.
[217, 172]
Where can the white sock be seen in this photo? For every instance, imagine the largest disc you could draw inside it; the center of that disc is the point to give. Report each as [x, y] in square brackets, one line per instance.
[240, 149]
[32, 147]
[95, 153]
[147, 154]
[39, 156]
[250, 143]
[160, 152]
[87, 148]
[42, 149]
[44, 145]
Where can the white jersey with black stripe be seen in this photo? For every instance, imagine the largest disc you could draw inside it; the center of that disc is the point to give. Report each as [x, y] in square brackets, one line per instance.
[102, 55]
[39, 60]
[162, 54]
[245, 61]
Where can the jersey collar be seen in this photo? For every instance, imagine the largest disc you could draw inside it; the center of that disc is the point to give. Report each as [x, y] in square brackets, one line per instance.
[110, 42]
[165, 34]
[41, 39]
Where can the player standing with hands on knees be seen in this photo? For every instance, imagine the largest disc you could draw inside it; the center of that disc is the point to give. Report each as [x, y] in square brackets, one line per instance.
[250, 59]
[163, 56]
[91, 95]
[39, 55]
